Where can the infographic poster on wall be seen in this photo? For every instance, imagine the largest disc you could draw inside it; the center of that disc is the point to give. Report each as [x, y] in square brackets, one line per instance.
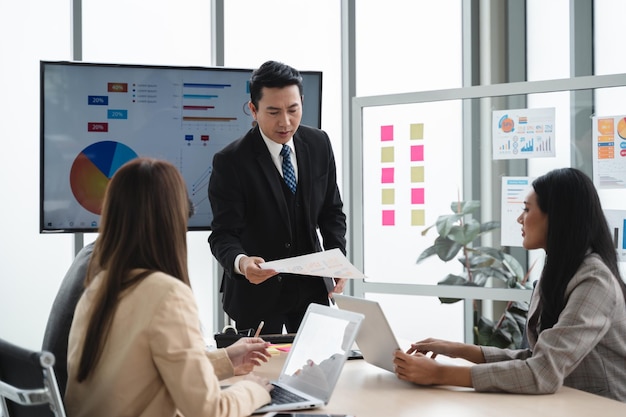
[523, 133]
[514, 192]
[609, 151]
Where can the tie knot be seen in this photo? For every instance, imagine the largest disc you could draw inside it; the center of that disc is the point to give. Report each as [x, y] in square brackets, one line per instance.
[285, 151]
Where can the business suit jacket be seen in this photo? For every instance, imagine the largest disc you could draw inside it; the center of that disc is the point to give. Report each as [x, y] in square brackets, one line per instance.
[585, 349]
[250, 213]
[154, 361]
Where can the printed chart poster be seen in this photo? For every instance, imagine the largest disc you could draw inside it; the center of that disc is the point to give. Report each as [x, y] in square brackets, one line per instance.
[523, 133]
[514, 191]
[617, 223]
[609, 151]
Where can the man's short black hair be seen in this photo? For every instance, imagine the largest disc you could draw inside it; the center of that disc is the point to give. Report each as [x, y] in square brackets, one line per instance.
[273, 74]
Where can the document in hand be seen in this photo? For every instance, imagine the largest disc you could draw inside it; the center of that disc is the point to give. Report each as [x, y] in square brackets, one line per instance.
[330, 263]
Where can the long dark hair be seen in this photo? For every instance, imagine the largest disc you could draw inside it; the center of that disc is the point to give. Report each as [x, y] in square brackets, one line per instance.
[143, 226]
[576, 224]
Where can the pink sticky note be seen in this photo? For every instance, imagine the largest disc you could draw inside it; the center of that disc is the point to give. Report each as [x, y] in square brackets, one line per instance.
[417, 153]
[417, 196]
[387, 175]
[389, 217]
[386, 133]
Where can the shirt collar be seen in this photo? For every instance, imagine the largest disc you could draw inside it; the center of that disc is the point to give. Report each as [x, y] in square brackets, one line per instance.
[274, 147]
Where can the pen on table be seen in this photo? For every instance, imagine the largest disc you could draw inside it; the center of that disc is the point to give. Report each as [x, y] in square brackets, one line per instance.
[258, 329]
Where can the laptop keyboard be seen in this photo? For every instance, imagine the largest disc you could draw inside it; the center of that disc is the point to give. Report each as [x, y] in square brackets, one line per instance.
[282, 396]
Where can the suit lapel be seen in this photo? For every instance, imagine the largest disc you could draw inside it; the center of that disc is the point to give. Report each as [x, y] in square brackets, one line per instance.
[303, 154]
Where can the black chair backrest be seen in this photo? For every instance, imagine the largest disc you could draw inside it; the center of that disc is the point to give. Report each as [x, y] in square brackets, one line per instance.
[62, 313]
[32, 374]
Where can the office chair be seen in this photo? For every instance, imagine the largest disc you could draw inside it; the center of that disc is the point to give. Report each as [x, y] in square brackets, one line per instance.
[28, 387]
[62, 312]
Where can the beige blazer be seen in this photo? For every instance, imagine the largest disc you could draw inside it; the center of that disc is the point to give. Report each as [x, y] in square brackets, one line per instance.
[154, 361]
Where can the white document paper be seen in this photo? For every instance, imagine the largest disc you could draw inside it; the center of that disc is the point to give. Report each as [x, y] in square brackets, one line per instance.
[330, 263]
[514, 192]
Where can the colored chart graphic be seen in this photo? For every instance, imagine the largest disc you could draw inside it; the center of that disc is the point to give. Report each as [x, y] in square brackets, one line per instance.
[621, 128]
[93, 168]
[506, 124]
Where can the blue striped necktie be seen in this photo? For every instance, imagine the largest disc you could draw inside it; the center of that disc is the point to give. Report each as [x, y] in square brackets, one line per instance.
[289, 174]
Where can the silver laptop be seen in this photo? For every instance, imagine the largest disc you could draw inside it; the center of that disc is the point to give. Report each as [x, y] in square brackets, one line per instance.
[315, 360]
[375, 340]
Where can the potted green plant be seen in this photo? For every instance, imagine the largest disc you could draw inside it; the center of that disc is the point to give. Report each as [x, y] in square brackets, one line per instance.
[457, 233]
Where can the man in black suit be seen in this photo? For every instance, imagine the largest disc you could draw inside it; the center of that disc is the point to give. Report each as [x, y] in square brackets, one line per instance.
[257, 217]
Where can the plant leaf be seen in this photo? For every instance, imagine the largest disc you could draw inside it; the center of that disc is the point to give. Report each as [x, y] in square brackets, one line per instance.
[501, 275]
[483, 331]
[466, 233]
[510, 330]
[427, 229]
[446, 249]
[519, 308]
[493, 252]
[479, 278]
[489, 226]
[514, 266]
[446, 222]
[452, 279]
[444, 300]
[428, 252]
[481, 261]
[464, 207]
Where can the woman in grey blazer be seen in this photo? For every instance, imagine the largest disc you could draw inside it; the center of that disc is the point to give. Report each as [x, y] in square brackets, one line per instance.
[577, 316]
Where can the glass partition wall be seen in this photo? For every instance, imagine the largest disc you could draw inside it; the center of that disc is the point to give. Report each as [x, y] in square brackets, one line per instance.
[416, 153]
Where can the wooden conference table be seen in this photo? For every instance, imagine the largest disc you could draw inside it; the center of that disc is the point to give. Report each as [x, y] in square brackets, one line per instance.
[364, 390]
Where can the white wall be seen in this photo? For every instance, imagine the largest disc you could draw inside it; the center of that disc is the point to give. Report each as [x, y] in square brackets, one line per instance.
[31, 265]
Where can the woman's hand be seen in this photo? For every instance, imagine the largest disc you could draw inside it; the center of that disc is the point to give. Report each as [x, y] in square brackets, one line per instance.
[264, 382]
[435, 347]
[420, 369]
[417, 368]
[246, 353]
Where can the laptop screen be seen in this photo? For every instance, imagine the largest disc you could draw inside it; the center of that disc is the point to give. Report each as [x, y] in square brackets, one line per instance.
[319, 352]
[376, 339]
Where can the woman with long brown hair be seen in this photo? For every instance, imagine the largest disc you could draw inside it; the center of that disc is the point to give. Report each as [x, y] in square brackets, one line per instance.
[135, 346]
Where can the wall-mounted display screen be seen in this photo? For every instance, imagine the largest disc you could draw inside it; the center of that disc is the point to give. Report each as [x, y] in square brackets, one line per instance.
[96, 117]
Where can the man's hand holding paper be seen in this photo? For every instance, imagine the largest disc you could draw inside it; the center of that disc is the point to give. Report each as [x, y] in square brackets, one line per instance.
[330, 263]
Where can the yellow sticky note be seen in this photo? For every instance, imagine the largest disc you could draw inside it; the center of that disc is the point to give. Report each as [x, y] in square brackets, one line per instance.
[418, 218]
[417, 174]
[388, 196]
[387, 154]
[417, 131]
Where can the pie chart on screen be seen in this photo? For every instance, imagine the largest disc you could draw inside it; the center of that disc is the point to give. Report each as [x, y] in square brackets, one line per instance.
[92, 170]
[621, 128]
